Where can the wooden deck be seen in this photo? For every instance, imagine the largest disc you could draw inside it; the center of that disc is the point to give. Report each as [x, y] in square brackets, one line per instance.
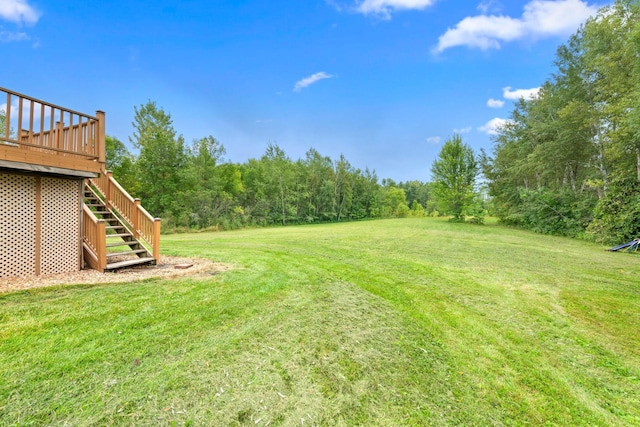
[41, 137]
[38, 138]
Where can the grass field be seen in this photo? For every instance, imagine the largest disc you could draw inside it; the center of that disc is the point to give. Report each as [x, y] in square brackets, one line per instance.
[389, 323]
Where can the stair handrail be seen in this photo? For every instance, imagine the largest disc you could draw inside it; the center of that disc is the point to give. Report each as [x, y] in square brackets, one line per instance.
[143, 225]
[94, 236]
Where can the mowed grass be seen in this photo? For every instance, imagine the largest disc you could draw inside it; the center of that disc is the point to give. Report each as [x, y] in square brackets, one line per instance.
[389, 323]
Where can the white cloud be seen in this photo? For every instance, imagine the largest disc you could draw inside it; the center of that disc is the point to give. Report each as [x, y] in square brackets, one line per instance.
[550, 18]
[493, 125]
[483, 32]
[385, 7]
[334, 4]
[308, 81]
[434, 140]
[527, 94]
[10, 36]
[489, 6]
[540, 18]
[463, 130]
[495, 103]
[18, 11]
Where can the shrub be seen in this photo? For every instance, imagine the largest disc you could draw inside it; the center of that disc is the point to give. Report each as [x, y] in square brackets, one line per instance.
[617, 214]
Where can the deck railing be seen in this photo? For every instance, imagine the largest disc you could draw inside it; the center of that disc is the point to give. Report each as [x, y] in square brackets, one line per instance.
[143, 225]
[94, 237]
[31, 124]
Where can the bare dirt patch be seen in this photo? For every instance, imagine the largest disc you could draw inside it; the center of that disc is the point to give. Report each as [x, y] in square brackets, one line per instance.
[168, 267]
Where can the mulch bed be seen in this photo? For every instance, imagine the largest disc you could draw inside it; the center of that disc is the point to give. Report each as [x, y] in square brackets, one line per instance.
[167, 267]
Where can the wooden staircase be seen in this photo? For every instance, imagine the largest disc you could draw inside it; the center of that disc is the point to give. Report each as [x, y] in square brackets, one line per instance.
[123, 249]
[117, 231]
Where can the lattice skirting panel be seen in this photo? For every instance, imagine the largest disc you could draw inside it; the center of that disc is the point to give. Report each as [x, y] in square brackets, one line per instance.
[17, 225]
[59, 244]
[39, 225]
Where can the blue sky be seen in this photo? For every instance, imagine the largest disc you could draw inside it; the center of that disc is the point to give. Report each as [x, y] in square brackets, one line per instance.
[383, 82]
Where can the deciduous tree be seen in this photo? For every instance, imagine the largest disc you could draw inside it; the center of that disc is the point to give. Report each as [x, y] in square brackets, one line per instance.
[160, 162]
[454, 175]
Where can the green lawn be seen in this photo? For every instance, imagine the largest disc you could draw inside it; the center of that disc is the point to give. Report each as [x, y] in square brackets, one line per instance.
[389, 323]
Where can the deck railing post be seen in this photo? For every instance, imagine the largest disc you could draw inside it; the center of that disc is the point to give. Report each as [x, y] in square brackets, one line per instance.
[59, 135]
[102, 245]
[7, 117]
[107, 189]
[156, 239]
[24, 137]
[135, 218]
[100, 137]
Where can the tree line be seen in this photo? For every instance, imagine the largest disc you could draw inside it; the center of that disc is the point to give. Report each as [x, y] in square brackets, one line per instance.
[568, 161]
[192, 186]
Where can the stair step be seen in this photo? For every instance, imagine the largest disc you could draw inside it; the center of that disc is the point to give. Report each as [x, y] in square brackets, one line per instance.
[128, 263]
[123, 243]
[120, 235]
[131, 252]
